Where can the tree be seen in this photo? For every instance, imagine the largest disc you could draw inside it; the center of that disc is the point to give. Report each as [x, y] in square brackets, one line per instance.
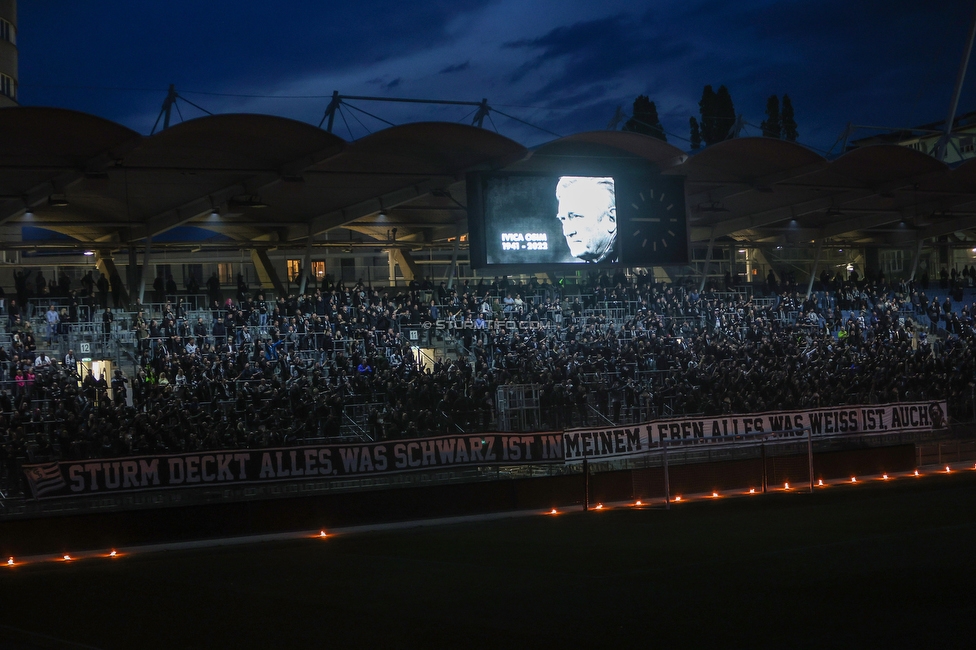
[696, 138]
[725, 112]
[717, 114]
[772, 126]
[645, 119]
[789, 123]
[707, 109]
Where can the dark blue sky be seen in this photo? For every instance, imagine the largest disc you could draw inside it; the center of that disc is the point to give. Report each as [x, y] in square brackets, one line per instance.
[562, 64]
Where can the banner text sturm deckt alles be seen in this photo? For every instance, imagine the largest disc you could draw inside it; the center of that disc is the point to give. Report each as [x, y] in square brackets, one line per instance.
[264, 465]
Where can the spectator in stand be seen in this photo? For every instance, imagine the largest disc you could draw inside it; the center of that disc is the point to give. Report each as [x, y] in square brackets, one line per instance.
[119, 388]
[107, 319]
[52, 319]
[213, 289]
[171, 288]
[103, 287]
[159, 288]
[13, 313]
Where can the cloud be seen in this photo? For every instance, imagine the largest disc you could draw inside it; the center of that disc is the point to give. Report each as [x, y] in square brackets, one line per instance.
[459, 67]
[594, 51]
[562, 64]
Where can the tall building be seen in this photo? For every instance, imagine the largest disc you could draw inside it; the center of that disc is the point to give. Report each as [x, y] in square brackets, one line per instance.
[8, 53]
[925, 138]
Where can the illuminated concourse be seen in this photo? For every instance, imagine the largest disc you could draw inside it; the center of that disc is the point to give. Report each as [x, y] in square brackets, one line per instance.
[266, 196]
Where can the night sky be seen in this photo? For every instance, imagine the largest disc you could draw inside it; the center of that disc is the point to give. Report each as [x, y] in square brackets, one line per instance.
[561, 64]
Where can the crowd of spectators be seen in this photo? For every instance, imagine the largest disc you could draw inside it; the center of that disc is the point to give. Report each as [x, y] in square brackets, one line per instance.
[251, 373]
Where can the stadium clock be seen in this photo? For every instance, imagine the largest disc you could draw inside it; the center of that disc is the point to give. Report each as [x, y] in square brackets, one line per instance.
[665, 230]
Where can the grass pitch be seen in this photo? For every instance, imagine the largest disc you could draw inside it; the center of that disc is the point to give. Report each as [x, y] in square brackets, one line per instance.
[869, 565]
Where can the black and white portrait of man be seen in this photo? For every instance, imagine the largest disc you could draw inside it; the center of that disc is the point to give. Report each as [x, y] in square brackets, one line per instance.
[588, 214]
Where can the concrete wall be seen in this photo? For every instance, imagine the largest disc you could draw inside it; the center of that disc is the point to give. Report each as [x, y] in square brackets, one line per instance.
[156, 524]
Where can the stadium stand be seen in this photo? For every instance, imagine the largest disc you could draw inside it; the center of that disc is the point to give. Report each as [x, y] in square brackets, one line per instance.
[358, 362]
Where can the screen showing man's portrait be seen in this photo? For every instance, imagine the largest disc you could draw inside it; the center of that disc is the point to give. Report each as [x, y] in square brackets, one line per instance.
[523, 218]
[587, 213]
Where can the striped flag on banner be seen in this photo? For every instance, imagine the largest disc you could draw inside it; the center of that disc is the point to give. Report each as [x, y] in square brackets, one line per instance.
[44, 479]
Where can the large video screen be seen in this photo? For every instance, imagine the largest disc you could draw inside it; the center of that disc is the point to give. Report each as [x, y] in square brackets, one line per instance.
[519, 219]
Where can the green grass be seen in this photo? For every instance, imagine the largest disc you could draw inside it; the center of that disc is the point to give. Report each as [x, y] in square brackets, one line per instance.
[871, 565]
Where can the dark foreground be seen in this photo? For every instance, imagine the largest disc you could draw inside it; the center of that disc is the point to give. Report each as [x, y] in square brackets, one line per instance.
[867, 565]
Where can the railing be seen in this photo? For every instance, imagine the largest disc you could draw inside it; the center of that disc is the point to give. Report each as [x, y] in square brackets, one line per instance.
[947, 451]
[358, 431]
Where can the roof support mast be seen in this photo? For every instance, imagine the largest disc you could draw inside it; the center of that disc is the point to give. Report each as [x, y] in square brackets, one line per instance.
[167, 110]
[943, 145]
[479, 117]
[813, 271]
[338, 100]
[330, 111]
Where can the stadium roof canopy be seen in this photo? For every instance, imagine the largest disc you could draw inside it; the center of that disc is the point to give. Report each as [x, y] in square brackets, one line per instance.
[73, 180]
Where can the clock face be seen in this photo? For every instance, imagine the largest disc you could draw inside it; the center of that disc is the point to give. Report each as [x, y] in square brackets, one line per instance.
[655, 230]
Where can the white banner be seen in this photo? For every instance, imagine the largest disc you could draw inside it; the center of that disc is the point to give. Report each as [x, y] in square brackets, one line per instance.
[622, 441]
